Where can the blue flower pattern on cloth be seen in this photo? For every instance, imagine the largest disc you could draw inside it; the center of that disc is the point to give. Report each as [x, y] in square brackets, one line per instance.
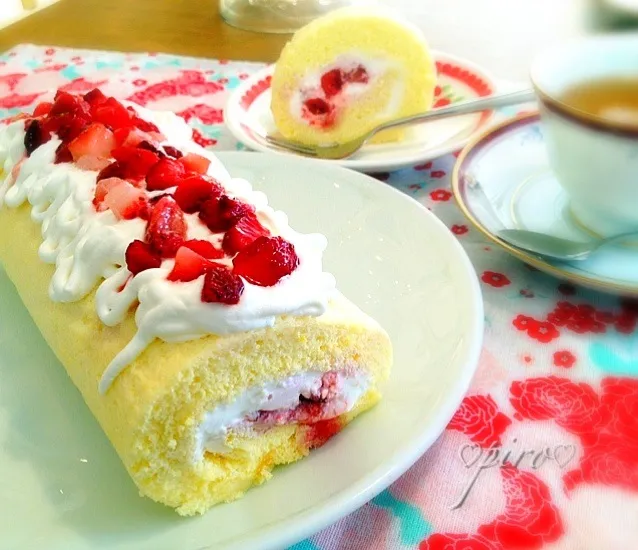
[615, 355]
[412, 526]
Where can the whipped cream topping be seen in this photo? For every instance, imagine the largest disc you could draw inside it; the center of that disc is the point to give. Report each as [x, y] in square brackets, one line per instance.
[88, 248]
[281, 395]
[310, 84]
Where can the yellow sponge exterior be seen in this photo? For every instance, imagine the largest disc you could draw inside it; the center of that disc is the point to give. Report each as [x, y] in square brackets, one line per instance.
[151, 411]
[371, 34]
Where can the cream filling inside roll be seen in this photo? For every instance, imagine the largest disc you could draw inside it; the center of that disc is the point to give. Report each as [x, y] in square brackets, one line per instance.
[311, 395]
[375, 68]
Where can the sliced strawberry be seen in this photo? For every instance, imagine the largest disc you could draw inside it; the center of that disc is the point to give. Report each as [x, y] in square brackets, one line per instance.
[150, 147]
[205, 248]
[127, 202]
[102, 189]
[65, 103]
[42, 108]
[121, 134]
[221, 213]
[53, 123]
[166, 230]
[266, 260]
[140, 257]
[317, 106]
[126, 153]
[97, 140]
[123, 153]
[62, 154]
[172, 152]
[140, 123]
[67, 126]
[319, 112]
[357, 75]
[111, 113]
[222, 286]
[135, 137]
[156, 198]
[188, 266]
[166, 173]
[136, 162]
[195, 163]
[72, 128]
[144, 125]
[113, 170]
[95, 97]
[332, 82]
[35, 135]
[139, 164]
[192, 192]
[90, 162]
[244, 232]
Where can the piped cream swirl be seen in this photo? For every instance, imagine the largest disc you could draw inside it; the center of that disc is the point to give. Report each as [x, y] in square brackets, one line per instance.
[88, 249]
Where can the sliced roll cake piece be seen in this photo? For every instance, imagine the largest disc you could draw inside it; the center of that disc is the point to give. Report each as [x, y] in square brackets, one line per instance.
[349, 71]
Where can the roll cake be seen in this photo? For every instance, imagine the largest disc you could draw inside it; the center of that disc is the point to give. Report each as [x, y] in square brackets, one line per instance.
[349, 71]
[199, 327]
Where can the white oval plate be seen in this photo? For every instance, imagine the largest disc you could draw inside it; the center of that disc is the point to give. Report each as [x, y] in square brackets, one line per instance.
[249, 118]
[62, 487]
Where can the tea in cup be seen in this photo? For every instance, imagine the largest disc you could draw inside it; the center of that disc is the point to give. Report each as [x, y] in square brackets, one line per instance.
[588, 99]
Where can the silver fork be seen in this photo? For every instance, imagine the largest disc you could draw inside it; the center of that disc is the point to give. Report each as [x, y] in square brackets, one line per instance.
[344, 150]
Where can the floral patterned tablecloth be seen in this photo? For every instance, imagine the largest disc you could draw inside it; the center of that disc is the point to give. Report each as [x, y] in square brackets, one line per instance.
[543, 452]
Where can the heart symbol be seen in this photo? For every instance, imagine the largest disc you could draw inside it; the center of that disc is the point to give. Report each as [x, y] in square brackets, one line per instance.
[469, 454]
[563, 454]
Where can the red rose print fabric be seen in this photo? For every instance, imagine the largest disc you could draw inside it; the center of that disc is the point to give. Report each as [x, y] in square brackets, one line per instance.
[446, 541]
[574, 406]
[479, 418]
[529, 519]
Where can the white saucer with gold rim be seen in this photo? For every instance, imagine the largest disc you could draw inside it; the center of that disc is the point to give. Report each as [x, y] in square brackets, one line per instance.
[503, 180]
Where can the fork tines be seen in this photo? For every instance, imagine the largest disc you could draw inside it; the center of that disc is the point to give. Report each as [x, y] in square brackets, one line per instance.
[291, 145]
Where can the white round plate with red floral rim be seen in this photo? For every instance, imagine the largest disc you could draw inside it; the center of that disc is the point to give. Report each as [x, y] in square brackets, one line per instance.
[249, 118]
[62, 487]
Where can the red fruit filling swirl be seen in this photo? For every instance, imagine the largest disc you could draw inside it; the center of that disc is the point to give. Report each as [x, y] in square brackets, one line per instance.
[98, 133]
[321, 110]
[320, 405]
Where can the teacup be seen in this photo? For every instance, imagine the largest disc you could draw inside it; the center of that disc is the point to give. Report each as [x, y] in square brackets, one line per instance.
[595, 159]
